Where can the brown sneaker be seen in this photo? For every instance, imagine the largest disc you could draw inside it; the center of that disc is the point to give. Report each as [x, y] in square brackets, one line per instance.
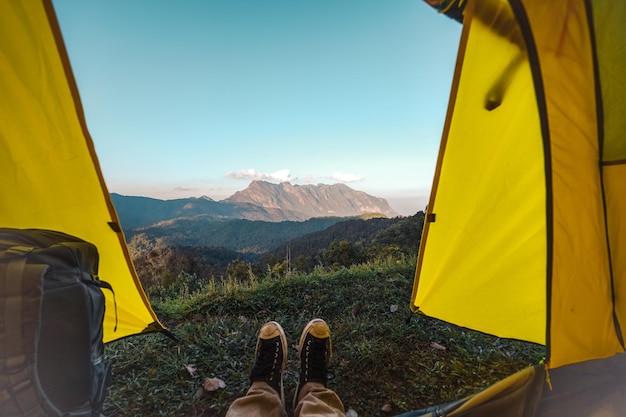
[271, 358]
[315, 352]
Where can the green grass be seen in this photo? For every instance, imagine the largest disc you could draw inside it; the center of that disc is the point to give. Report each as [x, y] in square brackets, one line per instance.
[380, 358]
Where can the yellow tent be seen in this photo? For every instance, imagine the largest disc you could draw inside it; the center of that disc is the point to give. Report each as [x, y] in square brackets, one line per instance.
[51, 177]
[525, 233]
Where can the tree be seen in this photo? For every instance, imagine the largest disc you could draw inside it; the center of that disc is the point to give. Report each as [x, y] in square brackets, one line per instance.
[343, 253]
[239, 270]
[302, 264]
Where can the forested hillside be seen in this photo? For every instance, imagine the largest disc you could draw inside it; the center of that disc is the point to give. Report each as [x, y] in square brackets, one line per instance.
[351, 241]
[162, 254]
[244, 236]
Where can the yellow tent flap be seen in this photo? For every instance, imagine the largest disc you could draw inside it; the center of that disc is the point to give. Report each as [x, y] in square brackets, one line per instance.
[489, 187]
[526, 230]
[51, 177]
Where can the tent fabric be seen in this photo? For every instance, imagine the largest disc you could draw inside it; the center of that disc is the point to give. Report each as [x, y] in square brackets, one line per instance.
[51, 176]
[610, 36]
[581, 307]
[584, 389]
[590, 388]
[519, 395]
[516, 396]
[525, 235]
[467, 257]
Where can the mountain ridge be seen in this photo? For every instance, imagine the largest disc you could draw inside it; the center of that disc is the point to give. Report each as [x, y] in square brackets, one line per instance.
[260, 201]
[313, 200]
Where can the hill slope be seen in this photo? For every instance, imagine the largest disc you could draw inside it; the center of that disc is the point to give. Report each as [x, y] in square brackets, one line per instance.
[402, 232]
[381, 360]
[206, 249]
[239, 235]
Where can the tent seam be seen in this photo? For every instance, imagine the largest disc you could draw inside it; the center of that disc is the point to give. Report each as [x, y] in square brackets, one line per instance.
[533, 57]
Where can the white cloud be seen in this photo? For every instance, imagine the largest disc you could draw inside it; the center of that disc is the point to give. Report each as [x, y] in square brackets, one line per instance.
[336, 177]
[284, 175]
[343, 177]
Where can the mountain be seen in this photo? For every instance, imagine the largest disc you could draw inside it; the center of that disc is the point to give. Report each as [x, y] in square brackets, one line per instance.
[261, 201]
[135, 212]
[312, 200]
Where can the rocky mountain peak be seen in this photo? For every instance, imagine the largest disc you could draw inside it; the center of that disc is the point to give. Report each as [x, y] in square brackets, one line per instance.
[319, 200]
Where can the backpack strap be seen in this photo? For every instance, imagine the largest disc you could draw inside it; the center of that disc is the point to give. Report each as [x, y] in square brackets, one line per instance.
[13, 282]
[105, 285]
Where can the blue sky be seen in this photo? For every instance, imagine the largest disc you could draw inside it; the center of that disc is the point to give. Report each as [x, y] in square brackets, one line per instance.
[192, 98]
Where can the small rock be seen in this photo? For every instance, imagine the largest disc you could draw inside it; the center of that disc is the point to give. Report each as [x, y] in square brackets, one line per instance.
[200, 392]
[393, 308]
[386, 408]
[351, 413]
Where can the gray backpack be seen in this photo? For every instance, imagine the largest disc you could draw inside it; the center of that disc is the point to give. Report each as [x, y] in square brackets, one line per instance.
[51, 314]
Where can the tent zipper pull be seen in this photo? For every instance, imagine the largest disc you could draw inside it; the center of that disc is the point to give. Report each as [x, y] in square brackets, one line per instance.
[548, 381]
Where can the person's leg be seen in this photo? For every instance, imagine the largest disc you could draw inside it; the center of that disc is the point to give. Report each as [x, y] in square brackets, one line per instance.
[317, 400]
[261, 400]
[313, 397]
[266, 397]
